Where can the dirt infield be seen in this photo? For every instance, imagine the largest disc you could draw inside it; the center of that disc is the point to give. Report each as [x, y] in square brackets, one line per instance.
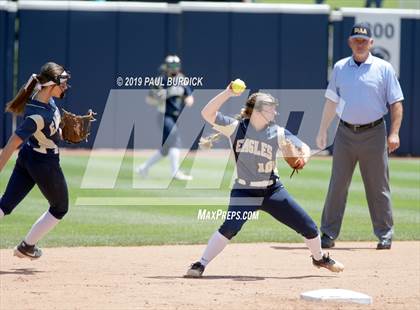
[244, 276]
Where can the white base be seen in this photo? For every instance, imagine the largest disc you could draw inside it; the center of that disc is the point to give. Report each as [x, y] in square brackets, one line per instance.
[337, 295]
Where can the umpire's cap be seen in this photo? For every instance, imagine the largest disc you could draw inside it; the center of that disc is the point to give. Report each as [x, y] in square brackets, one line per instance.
[361, 30]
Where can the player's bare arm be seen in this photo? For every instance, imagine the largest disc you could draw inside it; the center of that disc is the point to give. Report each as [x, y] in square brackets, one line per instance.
[214, 105]
[8, 150]
[189, 101]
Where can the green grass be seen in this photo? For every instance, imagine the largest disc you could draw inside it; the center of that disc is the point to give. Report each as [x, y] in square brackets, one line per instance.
[140, 223]
[345, 3]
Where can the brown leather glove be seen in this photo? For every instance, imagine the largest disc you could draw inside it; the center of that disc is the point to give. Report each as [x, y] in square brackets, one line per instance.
[76, 128]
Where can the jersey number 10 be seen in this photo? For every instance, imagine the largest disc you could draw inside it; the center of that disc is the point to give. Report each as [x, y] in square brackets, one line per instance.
[267, 168]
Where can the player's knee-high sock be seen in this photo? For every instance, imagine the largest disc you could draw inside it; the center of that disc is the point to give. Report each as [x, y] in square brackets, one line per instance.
[152, 160]
[41, 227]
[216, 244]
[1, 214]
[174, 158]
[314, 246]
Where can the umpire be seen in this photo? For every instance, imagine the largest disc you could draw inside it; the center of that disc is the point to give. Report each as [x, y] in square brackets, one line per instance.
[359, 90]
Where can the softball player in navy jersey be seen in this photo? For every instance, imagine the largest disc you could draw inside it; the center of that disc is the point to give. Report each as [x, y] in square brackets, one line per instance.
[38, 159]
[255, 140]
[170, 100]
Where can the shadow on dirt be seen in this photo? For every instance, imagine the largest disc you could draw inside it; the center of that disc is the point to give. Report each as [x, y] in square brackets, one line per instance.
[21, 271]
[303, 247]
[240, 278]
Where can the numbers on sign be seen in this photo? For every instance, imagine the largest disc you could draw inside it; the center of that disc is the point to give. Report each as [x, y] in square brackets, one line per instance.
[389, 31]
[380, 30]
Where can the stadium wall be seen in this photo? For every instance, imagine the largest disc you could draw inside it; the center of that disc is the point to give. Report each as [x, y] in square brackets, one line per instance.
[269, 46]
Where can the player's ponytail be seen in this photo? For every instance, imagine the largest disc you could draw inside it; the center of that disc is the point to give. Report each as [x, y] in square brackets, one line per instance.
[48, 72]
[245, 113]
[17, 104]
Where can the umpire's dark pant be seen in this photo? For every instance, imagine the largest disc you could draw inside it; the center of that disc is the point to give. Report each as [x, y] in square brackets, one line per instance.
[274, 200]
[42, 169]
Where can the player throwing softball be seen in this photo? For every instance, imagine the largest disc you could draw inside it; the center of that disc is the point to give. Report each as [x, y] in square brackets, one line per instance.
[38, 159]
[255, 141]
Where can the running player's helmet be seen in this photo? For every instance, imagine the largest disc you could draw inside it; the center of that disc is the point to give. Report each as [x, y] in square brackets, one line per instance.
[258, 100]
[172, 65]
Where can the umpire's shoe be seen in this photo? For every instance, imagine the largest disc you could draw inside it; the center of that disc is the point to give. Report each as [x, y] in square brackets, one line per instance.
[327, 242]
[196, 270]
[24, 250]
[327, 262]
[384, 244]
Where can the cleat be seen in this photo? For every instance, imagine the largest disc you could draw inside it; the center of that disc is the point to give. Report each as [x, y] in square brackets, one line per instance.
[327, 242]
[24, 250]
[196, 271]
[384, 244]
[142, 171]
[180, 176]
[327, 262]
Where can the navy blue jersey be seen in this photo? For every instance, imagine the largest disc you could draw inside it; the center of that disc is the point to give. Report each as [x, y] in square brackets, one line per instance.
[40, 127]
[255, 151]
[175, 96]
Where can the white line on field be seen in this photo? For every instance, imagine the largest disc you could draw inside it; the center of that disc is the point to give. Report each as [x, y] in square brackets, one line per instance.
[151, 201]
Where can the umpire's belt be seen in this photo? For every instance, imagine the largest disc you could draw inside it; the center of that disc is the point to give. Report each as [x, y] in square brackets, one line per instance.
[364, 126]
[255, 183]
